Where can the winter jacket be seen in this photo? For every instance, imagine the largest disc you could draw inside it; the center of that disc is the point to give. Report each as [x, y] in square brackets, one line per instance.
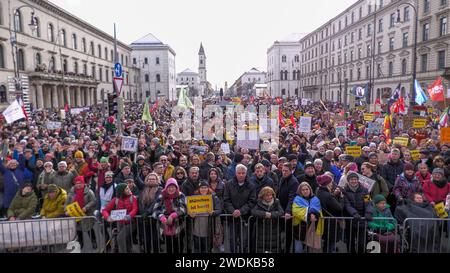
[356, 202]
[179, 211]
[232, 170]
[391, 171]
[45, 179]
[64, 179]
[204, 170]
[242, 198]
[434, 193]
[265, 181]
[422, 179]
[380, 187]
[147, 209]
[189, 187]
[287, 191]
[54, 208]
[90, 202]
[380, 225]
[223, 169]
[13, 181]
[202, 224]
[168, 172]
[219, 191]
[267, 230]
[23, 207]
[404, 188]
[120, 178]
[311, 181]
[332, 206]
[128, 203]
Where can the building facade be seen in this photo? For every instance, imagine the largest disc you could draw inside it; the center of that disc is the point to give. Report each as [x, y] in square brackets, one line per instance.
[190, 79]
[245, 84]
[372, 43]
[156, 62]
[65, 60]
[283, 67]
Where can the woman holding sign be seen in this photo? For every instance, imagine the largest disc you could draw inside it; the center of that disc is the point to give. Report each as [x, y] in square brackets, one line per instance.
[169, 209]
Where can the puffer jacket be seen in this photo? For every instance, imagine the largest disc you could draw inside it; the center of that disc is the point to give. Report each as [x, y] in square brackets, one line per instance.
[23, 207]
[380, 225]
[261, 183]
[422, 179]
[391, 171]
[436, 193]
[10, 185]
[267, 230]
[128, 203]
[54, 208]
[356, 202]
[404, 188]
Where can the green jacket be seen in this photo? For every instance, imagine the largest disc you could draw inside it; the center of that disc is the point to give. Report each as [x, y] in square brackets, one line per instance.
[381, 225]
[23, 207]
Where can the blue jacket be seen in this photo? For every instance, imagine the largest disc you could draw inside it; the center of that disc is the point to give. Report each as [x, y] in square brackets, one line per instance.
[28, 173]
[11, 187]
[337, 173]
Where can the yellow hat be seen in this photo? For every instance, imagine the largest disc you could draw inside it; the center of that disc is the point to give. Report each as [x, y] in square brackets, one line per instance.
[79, 154]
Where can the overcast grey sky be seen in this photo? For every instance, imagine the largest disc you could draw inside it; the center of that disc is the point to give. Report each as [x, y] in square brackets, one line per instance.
[235, 33]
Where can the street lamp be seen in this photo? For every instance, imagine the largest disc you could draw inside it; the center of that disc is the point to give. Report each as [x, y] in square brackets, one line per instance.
[33, 26]
[413, 97]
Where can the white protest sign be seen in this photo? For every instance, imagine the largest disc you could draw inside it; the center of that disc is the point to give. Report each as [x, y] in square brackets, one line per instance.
[304, 102]
[341, 130]
[225, 147]
[364, 181]
[129, 144]
[305, 125]
[77, 111]
[13, 112]
[53, 125]
[118, 215]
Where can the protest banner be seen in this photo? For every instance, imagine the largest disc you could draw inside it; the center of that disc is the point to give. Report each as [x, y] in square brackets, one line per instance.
[129, 144]
[305, 125]
[118, 214]
[419, 123]
[53, 125]
[74, 210]
[369, 117]
[354, 151]
[341, 130]
[403, 141]
[415, 154]
[445, 135]
[374, 128]
[199, 204]
[225, 147]
[14, 112]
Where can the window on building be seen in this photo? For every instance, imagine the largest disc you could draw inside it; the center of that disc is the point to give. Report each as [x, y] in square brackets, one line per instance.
[425, 32]
[2, 57]
[75, 67]
[134, 60]
[406, 15]
[38, 59]
[352, 37]
[359, 73]
[405, 39]
[106, 53]
[392, 20]
[380, 46]
[391, 43]
[20, 59]
[443, 26]
[369, 9]
[92, 50]
[369, 29]
[353, 17]
[63, 38]
[367, 72]
[443, 2]
[65, 66]
[283, 59]
[107, 75]
[3, 96]
[17, 21]
[50, 33]
[99, 48]
[426, 5]
[112, 56]
[297, 58]
[441, 59]
[85, 69]
[404, 67]
[145, 60]
[94, 74]
[283, 92]
[51, 65]
[424, 63]
[147, 78]
[380, 25]
[100, 74]
[360, 12]
[74, 41]
[351, 74]
[359, 53]
[37, 32]
[126, 60]
[83, 45]
[360, 34]
[379, 70]
[369, 51]
[391, 69]
[121, 59]
[157, 60]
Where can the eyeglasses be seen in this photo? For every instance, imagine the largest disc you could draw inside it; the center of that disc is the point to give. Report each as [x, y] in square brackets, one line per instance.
[179, 173]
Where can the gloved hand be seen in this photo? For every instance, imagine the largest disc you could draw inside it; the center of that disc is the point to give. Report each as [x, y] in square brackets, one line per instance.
[356, 216]
[163, 219]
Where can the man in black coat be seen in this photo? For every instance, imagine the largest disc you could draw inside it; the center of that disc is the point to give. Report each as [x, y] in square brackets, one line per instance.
[309, 176]
[261, 179]
[192, 183]
[207, 165]
[239, 199]
[391, 169]
[286, 193]
[364, 157]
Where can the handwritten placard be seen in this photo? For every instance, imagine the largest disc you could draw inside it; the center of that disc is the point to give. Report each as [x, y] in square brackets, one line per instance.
[445, 135]
[419, 123]
[369, 117]
[403, 141]
[199, 204]
[354, 151]
[118, 214]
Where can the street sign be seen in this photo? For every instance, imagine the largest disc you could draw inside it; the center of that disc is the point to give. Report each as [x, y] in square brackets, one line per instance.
[118, 82]
[118, 70]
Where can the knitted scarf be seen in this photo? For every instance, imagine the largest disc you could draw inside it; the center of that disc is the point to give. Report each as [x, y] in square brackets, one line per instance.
[79, 197]
[168, 199]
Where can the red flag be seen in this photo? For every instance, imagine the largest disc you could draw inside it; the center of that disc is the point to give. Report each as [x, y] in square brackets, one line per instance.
[279, 101]
[401, 105]
[436, 90]
[280, 119]
[155, 106]
[293, 121]
[252, 99]
[66, 107]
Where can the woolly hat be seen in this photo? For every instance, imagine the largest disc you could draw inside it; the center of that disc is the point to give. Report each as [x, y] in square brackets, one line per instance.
[120, 189]
[104, 160]
[171, 182]
[408, 167]
[52, 188]
[124, 165]
[79, 154]
[266, 163]
[439, 170]
[140, 157]
[324, 180]
[292, 157]
[78, 180]
[109, 174]
[62, 163]
[377, 199]
[352, 175]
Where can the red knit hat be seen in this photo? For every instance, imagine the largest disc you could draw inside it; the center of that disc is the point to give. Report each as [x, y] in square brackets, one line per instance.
[78, 180]
[324, 180]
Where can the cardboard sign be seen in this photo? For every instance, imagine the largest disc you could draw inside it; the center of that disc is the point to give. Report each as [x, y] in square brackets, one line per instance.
[53, 125]
[403, 141]
[419, 123]
[74, 210]
[199, 204]
[365, 182]
[369, 117]
[440, 210]
[305, 124]
[415, 154]
[118, 214]
[225, 147]
[445, 135]
[354, 151]
[129, 144]
[341, 130]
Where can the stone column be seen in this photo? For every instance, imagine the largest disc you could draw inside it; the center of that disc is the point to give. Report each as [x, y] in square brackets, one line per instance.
[66, 92]
[78, 94]
[54, 93]
[48, 97]
[88, 96]
[94, 96]
[39, 97]
[61, 100]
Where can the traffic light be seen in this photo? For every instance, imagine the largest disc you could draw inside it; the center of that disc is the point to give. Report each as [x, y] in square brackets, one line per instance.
[112, 105]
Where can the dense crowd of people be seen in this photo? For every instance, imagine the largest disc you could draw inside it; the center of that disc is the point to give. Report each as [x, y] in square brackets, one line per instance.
[302, 182]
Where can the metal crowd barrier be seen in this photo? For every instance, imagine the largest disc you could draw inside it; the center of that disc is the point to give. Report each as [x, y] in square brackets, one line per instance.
[224, 234]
